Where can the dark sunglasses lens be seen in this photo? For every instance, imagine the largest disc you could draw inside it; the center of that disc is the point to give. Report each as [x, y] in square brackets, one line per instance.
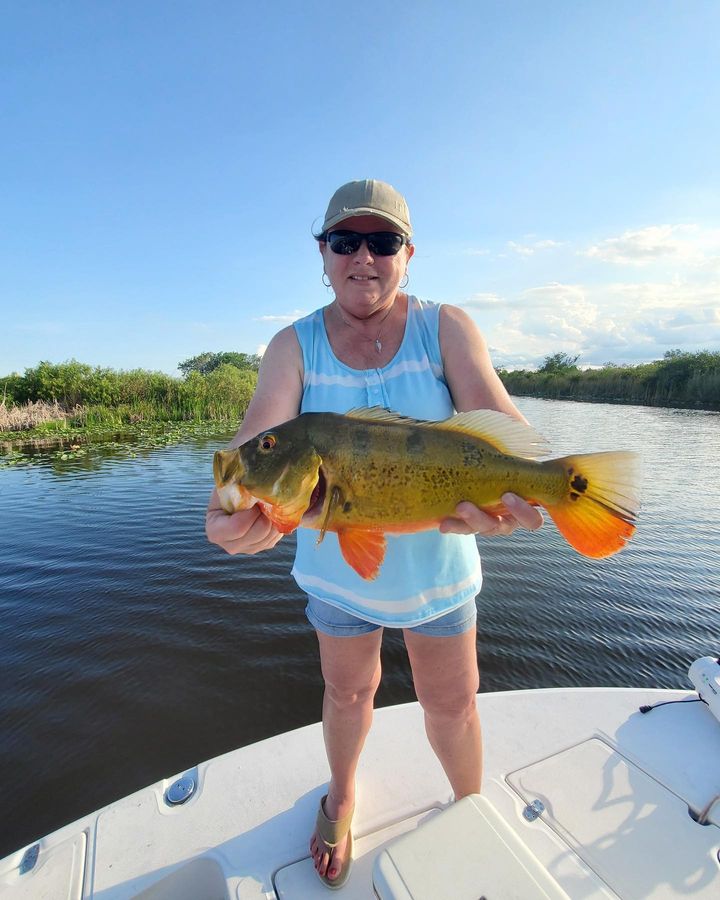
[344, 242]
[381, 243]
[385, 243]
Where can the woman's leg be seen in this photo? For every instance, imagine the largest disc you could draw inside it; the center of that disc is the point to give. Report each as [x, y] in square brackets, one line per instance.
[351, 669]
[445, 673]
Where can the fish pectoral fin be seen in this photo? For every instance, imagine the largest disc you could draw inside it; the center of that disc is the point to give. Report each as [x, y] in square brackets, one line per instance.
[363, 550]
[335, 498]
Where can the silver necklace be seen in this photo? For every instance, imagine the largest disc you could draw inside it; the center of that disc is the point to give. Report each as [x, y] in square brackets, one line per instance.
[376, 340]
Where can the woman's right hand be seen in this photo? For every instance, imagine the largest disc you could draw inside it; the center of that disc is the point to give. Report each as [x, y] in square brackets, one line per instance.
[247, 531]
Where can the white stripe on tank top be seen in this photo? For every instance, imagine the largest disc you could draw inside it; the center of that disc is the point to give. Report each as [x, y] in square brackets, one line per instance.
[424, 575]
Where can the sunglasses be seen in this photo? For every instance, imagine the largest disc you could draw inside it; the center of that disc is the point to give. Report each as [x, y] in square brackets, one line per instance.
[381, 243]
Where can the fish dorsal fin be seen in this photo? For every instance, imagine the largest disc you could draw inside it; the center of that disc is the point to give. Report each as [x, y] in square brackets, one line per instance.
[380, 414]
[506, 434]
[503, 432]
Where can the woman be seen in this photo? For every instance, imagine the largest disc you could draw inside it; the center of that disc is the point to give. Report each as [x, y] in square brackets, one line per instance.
[374, 345]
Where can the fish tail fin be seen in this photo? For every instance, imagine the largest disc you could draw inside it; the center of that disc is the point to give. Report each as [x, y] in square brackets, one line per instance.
[597, 514]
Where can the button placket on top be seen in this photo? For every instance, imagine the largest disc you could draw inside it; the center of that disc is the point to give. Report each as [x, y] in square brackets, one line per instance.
[374, 388]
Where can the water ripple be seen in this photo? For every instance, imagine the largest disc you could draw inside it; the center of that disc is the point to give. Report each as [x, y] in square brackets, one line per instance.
[134, 649]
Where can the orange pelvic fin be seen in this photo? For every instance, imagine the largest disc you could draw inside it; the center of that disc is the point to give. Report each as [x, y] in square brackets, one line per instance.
[597, 516]
[363, 550]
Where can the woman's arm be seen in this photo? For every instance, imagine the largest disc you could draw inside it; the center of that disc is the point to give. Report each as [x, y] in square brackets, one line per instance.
[474, 384]
[276, 399]
[471, 377]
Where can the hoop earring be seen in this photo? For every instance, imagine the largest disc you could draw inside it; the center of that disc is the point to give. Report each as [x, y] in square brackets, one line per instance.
[326, 283]
[406, 279]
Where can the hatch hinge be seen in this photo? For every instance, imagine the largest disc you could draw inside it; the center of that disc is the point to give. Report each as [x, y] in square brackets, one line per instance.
[533, 810]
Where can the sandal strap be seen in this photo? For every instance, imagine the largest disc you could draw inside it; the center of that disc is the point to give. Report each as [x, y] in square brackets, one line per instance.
[332, 831]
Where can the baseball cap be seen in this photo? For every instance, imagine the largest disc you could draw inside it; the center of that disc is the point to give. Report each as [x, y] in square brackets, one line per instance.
[368, 197]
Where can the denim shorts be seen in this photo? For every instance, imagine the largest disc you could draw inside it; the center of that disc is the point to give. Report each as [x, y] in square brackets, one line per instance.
[337, 623]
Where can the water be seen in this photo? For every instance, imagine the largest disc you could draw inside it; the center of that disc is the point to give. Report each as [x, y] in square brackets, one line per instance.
[131, 649]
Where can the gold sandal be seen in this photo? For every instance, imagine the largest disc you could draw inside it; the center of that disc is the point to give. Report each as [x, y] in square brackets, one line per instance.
[332, 832]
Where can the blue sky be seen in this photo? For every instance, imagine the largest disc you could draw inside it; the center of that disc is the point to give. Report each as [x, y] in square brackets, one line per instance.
[162, 165]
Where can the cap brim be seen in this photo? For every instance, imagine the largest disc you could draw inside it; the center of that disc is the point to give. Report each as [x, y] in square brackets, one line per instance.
[366, 211]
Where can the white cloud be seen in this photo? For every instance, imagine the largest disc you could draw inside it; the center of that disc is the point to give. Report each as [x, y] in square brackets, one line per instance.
[286, 318]
[483, 301]
[532, 248]
[607, 323]
[649, 303]
[684, 245]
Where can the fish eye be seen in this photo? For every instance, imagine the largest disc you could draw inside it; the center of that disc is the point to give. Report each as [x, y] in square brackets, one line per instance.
[268, 441]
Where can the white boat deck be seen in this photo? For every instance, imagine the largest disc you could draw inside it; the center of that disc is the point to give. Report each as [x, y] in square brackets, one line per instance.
[620, 793]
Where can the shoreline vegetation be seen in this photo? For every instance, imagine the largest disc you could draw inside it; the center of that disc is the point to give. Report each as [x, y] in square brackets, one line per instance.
[680, 379]
[66, 400]
[53, 400]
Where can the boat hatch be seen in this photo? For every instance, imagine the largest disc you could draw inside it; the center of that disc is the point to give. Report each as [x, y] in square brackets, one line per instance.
[57, 871]
[467, 852]
[200, 878]
[633, 832]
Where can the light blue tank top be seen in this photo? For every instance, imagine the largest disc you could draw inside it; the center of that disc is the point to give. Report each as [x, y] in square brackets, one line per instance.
[424, 575]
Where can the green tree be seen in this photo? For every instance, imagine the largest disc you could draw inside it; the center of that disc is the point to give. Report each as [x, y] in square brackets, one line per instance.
[559, 363]
[205, 363]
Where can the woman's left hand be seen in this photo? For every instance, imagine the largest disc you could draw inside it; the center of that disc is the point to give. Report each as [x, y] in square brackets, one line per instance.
[468, 519]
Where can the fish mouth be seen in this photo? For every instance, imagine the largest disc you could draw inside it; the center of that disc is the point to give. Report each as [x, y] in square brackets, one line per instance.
[317, 498]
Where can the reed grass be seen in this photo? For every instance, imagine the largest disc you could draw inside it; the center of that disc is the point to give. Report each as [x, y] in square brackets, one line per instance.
[73, 396]
[32, 415]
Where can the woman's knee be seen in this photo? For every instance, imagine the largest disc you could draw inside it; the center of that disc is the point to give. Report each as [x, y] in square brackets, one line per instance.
[445, 674]
[451, 704]
[344, 690]
[350, 668]
[449, 696]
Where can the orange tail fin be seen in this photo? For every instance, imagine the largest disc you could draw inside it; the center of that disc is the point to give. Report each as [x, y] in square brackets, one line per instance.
[597, 516]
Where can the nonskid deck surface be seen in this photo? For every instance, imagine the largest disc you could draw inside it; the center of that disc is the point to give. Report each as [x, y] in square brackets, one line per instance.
[618, 791]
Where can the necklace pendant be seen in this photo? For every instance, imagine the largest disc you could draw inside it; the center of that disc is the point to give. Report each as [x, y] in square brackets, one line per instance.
[378, 345]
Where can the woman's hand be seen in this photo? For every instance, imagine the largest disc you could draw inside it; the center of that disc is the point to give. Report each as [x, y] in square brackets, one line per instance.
[468, 519]
[247, 531]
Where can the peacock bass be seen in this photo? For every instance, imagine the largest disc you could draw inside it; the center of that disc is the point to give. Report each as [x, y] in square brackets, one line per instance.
[370, 472]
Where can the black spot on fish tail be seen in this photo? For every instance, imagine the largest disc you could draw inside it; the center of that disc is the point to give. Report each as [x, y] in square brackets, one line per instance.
[579, 484]
[347, 506]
